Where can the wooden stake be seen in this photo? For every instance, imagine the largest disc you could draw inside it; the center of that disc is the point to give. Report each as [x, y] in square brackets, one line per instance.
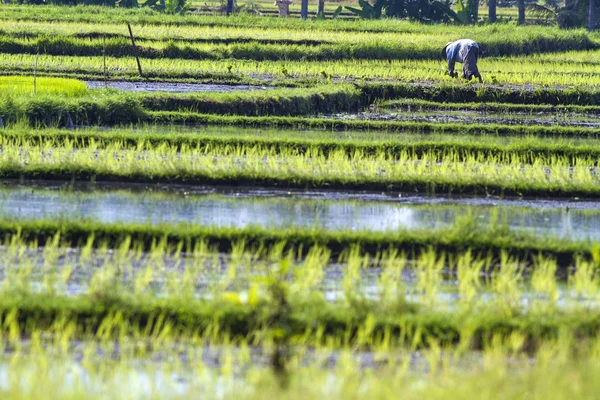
[105, 74]
[35, 74]
[135, 51]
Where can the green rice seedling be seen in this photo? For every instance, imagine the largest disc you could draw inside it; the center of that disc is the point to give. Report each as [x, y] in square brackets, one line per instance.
[237, 259]
[417, 105]
[24, 85]
[143, 280]
[310, 274]
[583, 281]
[355, 262]
[50, 257]
[508, 38]
[468, 272]
[259, 45]
[116, 323]
[428, 270]
[502, 41]
[507, 281]
[451, 237]
[543, 280]
[390, 285]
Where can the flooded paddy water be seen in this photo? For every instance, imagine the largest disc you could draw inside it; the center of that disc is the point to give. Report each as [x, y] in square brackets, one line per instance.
[243, 207]
[172, 87]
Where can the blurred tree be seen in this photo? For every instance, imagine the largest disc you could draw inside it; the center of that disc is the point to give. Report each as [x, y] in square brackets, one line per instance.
[492, 10]
[521, 19]
[321, 7]
[304, 9]
[417, 10]
[467, 13]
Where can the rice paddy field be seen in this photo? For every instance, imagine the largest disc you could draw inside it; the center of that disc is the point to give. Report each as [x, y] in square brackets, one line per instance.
[278, 208]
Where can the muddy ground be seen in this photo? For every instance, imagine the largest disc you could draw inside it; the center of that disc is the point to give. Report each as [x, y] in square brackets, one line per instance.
[469, 117]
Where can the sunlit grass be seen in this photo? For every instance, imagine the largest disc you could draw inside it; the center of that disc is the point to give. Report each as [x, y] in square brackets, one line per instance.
[24, 85]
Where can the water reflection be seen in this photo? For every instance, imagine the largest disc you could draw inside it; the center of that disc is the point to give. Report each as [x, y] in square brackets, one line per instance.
[233, 209]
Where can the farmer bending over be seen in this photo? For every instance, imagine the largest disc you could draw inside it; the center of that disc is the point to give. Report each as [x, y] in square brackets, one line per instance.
[464, 51]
